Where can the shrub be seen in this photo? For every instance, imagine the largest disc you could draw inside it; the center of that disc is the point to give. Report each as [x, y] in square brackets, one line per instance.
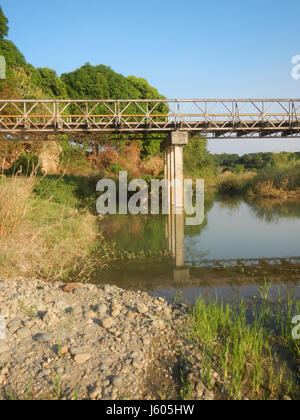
[26, 164]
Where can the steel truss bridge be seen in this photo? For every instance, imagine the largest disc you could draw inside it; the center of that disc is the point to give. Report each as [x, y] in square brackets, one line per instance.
[214, 118]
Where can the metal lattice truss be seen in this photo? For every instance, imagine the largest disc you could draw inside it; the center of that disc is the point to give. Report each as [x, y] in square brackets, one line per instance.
[211, 117]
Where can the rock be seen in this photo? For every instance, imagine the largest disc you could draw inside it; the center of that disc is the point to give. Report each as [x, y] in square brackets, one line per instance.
[61, 305]
[5, 371]
[102, 309]
[50, 318]
[116, 381]
[77, 309]
[95, 393]
[4, 347]
[23, 333]
[142, 309]
[208, 395]
[13, 325]
[200, 388]
[42, 338]
[159, 324]
[70, 287]
[116, 307]
[82, 358]
[107, 323]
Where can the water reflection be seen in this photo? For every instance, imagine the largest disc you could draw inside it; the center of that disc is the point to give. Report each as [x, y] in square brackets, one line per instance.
[240, 245]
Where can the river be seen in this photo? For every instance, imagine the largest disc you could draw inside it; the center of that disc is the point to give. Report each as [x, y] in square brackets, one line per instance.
[240, 246]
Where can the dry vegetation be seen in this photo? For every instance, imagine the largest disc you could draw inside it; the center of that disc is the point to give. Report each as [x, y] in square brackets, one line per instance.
[41, 238]
[280, 182]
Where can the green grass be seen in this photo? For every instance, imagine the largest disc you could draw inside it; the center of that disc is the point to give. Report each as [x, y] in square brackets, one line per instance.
[244, 340]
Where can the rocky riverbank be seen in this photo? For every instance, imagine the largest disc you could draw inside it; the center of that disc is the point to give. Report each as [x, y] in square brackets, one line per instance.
[83, 341]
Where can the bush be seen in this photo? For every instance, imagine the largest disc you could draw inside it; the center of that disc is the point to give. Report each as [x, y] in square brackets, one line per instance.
[72, 191]
[27, 164]
[232, 184]
[73, 158]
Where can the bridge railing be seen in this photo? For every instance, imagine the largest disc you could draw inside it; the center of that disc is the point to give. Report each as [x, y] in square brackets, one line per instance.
[208, 116]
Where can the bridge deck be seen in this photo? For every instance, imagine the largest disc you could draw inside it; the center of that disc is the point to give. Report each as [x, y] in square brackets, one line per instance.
[212, 117]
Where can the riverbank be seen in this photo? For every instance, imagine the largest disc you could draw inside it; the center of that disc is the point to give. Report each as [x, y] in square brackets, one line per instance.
[280, 182]
[48, 228]
[101, 342]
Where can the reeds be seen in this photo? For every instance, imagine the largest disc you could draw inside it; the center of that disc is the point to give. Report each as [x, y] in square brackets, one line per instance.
[14, 196]
[244, 341]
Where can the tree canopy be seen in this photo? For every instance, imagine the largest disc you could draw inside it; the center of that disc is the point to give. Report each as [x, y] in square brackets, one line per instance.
[3, 24]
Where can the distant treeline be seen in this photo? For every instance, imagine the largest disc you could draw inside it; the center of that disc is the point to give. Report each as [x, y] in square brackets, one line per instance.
[253, 161]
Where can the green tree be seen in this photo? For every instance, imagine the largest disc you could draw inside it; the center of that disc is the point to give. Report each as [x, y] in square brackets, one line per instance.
[51, 84]
[197, 160]
[3, 24]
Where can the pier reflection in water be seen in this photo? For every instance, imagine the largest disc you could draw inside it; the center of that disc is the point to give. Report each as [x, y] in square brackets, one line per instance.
[175, 244]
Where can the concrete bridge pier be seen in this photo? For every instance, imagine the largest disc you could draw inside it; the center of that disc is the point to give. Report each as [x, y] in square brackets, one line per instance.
[173, 160]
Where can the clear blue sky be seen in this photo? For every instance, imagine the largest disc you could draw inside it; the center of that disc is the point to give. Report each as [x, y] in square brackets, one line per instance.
[191, 48]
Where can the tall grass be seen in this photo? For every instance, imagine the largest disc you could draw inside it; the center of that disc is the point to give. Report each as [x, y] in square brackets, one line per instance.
[46, 230]
[244, 342]
[14, 196]
[235, 184]
[280, 181]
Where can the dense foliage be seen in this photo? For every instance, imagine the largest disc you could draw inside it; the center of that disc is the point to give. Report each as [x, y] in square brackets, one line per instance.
[3, 24]
[253, 161]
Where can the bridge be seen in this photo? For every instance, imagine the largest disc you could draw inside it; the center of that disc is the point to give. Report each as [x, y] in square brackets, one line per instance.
[177, 119]
[216, 118]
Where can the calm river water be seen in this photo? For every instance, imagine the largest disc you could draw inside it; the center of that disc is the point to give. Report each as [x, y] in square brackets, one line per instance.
[240, 246]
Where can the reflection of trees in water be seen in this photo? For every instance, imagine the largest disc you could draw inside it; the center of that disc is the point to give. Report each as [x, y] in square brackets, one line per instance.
[272, 211]
[136, 233]
[209, 199]
[232, 203]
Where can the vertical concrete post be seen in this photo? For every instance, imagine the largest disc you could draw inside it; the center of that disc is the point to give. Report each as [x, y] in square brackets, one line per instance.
[178, 140]
[173, 154]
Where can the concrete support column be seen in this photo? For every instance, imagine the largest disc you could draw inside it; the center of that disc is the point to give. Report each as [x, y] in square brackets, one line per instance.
[173, 155]
[173, 158]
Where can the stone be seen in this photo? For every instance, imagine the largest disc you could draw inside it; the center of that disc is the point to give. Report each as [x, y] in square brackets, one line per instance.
[4, 347]
[95, 393]
[42, 338]
[200, 388]
[50, 318]
[71, 287]
[159, 324]
[208, 395]
[107, 323]
[116, 381]
[23, 333]
[142, 309]
[82, 358]
[116, 307]
[102, 309]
